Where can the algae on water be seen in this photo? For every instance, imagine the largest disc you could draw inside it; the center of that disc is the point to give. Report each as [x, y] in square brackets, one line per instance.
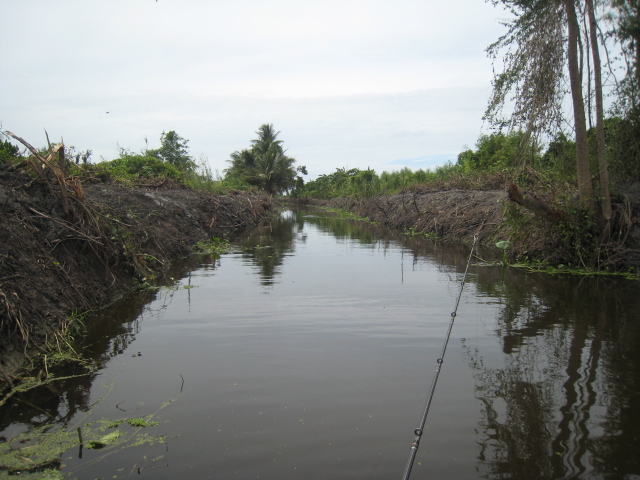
[38, 452]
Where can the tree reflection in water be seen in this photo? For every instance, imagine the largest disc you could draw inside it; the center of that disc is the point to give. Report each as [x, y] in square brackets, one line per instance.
[267, 246]
[108, 335]
[557, 377]
[560, 402]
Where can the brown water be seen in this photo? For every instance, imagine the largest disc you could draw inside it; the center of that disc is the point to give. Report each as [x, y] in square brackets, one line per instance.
[309, 352]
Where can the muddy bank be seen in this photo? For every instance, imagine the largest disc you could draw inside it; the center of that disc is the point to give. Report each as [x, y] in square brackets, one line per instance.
[458, 215]
[109, 240]
[451, 214]
[58, 257]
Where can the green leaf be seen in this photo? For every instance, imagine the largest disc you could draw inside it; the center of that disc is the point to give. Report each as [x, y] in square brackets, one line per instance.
[503, 244]
[105, 440]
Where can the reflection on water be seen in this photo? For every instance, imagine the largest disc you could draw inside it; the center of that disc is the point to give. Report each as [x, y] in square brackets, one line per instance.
[266, 246]
[307, 353]
[562, 400]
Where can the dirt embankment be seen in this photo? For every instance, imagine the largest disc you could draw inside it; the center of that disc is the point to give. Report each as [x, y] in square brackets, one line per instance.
[453, 214]
[460, 214]
[110, 239]
[60, 254]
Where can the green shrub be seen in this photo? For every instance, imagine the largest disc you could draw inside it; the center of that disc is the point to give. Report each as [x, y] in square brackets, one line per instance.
[8, 152]
[141, 166]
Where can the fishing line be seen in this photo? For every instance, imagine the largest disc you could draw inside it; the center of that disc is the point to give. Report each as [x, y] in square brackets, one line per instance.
[418, 431]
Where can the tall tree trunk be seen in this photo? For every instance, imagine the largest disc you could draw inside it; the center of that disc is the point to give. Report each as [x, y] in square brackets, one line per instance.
[636, 37]
[585, 187]
[602, 152]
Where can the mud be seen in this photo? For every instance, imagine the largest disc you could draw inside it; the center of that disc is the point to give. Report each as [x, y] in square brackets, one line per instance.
[460, 214]
[111, 240]
[451, 214]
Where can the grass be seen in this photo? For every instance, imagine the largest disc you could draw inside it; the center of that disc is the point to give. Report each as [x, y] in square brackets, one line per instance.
[412, 232]
[348, 215]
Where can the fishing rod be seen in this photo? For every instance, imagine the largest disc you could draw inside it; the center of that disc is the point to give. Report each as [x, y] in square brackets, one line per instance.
[418, 431]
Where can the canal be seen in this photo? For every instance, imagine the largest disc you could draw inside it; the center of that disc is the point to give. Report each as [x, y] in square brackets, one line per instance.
[307, 352]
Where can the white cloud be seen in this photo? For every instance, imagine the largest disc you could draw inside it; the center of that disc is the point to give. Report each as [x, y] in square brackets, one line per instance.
[348, 83]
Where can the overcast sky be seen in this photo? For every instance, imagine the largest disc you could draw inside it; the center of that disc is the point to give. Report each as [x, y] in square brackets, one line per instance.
[366, 83]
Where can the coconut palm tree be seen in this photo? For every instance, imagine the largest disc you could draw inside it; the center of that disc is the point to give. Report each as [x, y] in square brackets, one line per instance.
[265, 165]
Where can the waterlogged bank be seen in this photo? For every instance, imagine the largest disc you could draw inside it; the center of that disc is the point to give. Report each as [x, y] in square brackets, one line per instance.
[459, 215]
[55, 266]
[308, 353]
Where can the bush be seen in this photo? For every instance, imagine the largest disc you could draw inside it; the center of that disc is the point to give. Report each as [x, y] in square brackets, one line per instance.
[8, 152]
[131, 166]
[623, 149]
[497, 151]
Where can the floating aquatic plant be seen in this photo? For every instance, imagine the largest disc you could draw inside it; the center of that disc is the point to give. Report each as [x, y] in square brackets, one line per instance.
[37, 453]
[504, 245]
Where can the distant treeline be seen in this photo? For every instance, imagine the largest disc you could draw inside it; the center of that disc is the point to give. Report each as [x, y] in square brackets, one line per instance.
[505, 155]
[495, 156]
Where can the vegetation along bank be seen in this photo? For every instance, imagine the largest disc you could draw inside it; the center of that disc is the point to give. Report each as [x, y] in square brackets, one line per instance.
[76, 235]
[541, 231]
[73, 238]
[547, 187]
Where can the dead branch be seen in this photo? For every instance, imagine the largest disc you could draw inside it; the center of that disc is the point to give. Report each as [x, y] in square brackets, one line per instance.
[26, 144]
[57, 169]
[531, 202]
[66, 225]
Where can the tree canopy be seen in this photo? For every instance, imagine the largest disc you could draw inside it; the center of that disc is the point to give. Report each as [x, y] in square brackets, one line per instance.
[545, 50]
[624, 17]
[171, 160]
[265, 164]
[173, 150]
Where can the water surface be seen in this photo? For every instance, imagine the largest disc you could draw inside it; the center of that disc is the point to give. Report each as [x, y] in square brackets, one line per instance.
[308, 354]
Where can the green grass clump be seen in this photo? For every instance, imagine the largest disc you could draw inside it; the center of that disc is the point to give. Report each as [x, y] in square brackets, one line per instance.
[216, 246]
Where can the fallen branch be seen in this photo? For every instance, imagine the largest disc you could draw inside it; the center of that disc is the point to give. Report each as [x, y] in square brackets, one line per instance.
[67, 225]
[531, 202]
[57, 169]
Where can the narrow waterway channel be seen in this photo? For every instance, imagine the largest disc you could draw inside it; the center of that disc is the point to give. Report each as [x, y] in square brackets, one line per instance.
[308, 352]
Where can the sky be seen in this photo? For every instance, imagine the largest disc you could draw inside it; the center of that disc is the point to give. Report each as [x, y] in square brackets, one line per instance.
[347, 83]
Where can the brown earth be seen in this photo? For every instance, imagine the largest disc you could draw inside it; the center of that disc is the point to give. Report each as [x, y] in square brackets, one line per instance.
[460, 214]
[111, 240]
[62, 256]
[451, 214]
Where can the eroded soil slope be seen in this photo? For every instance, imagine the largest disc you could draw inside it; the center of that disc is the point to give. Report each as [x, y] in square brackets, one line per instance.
[453, 214]
[458, 215]
[110, 238]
